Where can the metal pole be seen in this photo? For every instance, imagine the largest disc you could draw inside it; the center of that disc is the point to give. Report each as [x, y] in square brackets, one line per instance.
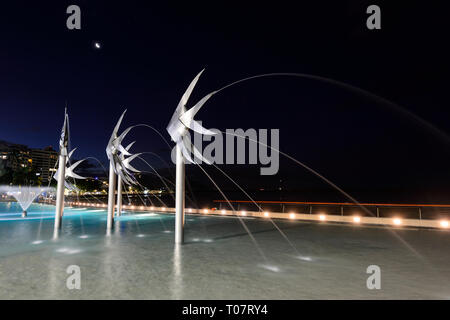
[60, 195]
[378, 212]
[342, 210]
[179, 197]
[111, 191]
[420, 214]
[119, 196]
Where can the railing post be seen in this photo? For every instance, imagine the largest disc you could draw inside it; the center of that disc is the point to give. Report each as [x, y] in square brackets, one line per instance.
[342, 210]
[420, 214]
[378, 212]
[310, 209]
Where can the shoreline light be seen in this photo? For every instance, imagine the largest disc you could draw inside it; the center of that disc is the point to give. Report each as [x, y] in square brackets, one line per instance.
[205, 210]
[444, 224]
[292, 216]
[322, 217]
[397, 221]
[243, 213]
[223, 212]
[266, 214]
[356, 219]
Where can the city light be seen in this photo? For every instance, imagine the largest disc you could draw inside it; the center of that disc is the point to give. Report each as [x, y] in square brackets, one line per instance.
[205, 210]
[243, 213]
[357, 219]
[292, 216]
[223, 212]
[444, 224]
[266, 214]
[397, 221]
[322, 217]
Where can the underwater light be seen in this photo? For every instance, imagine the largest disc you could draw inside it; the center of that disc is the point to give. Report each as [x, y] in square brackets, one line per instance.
[270, 267]
[305, 258]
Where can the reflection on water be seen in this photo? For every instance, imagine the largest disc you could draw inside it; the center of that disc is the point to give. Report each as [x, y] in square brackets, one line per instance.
[177, 281]
[139, 260]
[270, 267]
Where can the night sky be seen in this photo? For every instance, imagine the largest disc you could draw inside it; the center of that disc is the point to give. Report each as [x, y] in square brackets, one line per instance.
[150, 53]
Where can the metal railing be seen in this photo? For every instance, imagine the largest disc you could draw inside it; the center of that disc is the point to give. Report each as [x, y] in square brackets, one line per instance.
[379, 210]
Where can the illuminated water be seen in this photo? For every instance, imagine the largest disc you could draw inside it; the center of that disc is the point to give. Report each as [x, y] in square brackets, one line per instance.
[219, 261]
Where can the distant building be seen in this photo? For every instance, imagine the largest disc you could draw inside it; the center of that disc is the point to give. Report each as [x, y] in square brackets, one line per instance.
[17, 156]
[44, 162]
[14, 156]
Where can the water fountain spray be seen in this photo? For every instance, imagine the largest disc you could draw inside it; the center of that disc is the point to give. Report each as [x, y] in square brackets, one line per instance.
[178, 126]
[24, 195]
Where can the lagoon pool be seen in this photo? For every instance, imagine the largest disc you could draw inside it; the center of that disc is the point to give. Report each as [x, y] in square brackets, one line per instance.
[219, 260]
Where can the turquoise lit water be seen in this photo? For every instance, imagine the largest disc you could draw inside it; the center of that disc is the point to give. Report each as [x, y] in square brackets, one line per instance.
[138, 260]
